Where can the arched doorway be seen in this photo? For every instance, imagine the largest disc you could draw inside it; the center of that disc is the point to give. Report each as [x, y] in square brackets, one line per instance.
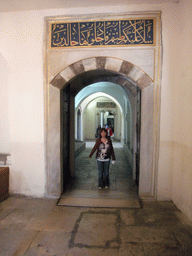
[67, 127]
[77, 76]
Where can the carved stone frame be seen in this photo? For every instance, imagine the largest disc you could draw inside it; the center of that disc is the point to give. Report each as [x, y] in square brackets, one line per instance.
[150, 112]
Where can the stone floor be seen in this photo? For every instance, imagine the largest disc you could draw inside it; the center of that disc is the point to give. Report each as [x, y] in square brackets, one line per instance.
[39, 227]
[35, 227]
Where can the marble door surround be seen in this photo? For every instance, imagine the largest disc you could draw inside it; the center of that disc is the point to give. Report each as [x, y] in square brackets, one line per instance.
[61, 68]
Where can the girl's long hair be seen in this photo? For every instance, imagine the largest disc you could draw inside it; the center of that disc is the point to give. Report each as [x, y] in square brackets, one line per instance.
[103, 129]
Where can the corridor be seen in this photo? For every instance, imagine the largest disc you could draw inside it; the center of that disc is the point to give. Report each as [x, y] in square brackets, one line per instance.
[120, 173]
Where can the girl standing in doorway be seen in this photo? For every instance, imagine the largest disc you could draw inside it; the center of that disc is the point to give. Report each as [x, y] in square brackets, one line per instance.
[104, 153]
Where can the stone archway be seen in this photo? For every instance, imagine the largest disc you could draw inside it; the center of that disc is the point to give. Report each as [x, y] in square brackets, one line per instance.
[127, 69]
[130, 77]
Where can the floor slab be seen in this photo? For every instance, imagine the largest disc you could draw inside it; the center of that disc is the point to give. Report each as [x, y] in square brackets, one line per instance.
[100, 198]
[39, 227]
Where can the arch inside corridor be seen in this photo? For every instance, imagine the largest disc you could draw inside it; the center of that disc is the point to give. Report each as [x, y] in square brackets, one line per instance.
[85, 98]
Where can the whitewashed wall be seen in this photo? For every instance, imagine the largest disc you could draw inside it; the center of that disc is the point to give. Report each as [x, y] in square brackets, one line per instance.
[4, 107]
[21, 36]
[175, 161]
[21, 48]
[89, 120]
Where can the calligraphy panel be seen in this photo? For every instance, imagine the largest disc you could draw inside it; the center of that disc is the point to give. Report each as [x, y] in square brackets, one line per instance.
[103, 33]
[106, 105]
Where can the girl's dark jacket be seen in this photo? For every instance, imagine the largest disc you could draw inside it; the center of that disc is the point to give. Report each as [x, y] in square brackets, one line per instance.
[96, 147]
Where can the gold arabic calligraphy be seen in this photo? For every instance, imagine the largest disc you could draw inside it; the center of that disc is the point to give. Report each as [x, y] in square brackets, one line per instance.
[103, 33]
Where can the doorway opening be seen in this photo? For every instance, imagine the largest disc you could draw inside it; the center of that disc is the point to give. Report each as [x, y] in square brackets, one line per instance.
[98, 91]
[78, 76]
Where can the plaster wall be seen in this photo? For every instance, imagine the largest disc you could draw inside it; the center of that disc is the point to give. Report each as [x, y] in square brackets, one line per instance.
[21, 36]
[90, 120]
[175, 161]
[182, 109]
[119, 132]
[4, 112]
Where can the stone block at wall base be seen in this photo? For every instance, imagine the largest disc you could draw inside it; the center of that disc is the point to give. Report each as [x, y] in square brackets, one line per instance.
[79, 147]
[128, 154]
[4, 183]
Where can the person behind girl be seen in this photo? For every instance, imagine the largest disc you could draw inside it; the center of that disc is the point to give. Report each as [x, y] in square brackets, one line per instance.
[98, 131]
[104, 153]
[109, 131]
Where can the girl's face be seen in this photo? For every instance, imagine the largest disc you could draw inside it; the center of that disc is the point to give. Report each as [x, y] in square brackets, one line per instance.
[103, 134]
